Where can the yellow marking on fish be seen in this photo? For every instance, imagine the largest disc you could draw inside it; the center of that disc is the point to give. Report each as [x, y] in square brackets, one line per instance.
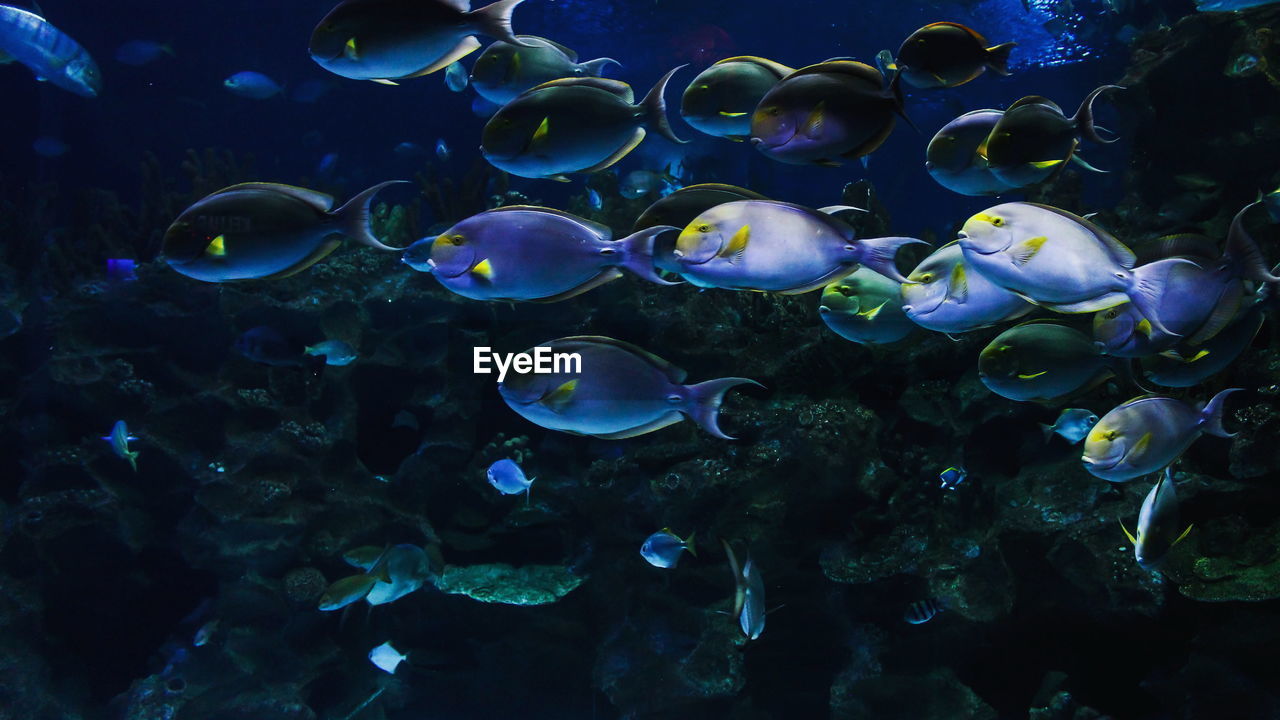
[541, 133]
[217, 248]
[1128, 534]
[1199, 355]
[1027, 249]
[873, 312]
[737, 244]
[981, 151]
[351, 50]
[1032, 376]
[515, 67]
[731, 114]
[484, 269]
[1098, 435]
[557, 399]
[384, 81]
[959, 286]
[1184, 534]
[1144, 328]
[813, 125]
[1042, 164]
[1141, 446]
[988, 218]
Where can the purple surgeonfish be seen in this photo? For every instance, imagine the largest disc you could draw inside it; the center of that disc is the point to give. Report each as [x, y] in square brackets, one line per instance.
[865, 307]
[822, 114]
[1034, 139]
[1184, 366]
[1146, 434]
[387, 40]
[721, 98]
[952, 157]
[944, 295]
[533, 254]
[1159, 528]
[778, 247]
[1061, 261]
[1199, 301]
[614, 390]
[947, 55]
[1041, 361]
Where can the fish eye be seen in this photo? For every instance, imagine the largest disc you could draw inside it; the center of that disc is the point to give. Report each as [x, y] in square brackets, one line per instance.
[456, 239]
[1112, 314]
[845, 290]
[1110, 435]
[997, 221]
[703, 228]
[926, 278]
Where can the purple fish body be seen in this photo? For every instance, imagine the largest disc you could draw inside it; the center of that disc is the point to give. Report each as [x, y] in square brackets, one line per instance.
[838, 109]
[1145, 435]
[522, 253]
[777, 247]
[954, 160]
[616, 391]
[944, 295]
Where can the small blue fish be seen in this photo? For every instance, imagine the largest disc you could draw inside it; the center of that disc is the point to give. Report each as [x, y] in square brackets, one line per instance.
[662, 549]
[456, 78]
[594, 200]
[922, 611]
[386, 657]
[442, 150]
[142, 52]
[509, 479]
[121, 270]
[1073, 425]
[326, 164]
[50, 53]
[252, 85]
[335, 352]
[119, 440]
[50, 147]
[309, 91]
[952, 477]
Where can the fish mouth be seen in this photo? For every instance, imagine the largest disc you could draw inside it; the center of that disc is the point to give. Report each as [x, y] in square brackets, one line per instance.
[1103, 464]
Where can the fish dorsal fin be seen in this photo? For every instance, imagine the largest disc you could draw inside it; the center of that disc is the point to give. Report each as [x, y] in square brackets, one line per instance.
[673, 373]
[314, 198]
[843, 66]
[364, 557]
[971, 32]
[1118, 250]
[637, 137]
[958, 289]
[737, 244]
[1128, 534]
[1034, 100]
[557, 399]
[599, 230]
[568, 52]
[616, 87]
[1193, 245]
[725, 188]
[776, 68]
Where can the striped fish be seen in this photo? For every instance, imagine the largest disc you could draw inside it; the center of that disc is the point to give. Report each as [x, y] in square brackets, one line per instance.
[922, 611]
[50, 53]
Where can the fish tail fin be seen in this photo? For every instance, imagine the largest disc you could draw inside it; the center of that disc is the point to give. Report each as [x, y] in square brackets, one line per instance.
[998, 58]
[895, 92]
[1084, 116]
[706, 398]
[495, 21]
[1243, 251]
[132, 457]
[596, 67]
[1148, 285]
[354, 217]
[879, 254]
[638, 251]
[1047, 430]
[1211, 415]
[655, 108]
[688, 545]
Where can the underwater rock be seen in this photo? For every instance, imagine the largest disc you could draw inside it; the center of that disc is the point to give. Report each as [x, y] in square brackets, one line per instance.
[1228, 578]
[499, 583]
[935, 696]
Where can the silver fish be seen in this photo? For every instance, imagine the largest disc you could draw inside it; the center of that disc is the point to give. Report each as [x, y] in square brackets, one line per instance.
[50, 53]
[1158, 524]
[119, 440]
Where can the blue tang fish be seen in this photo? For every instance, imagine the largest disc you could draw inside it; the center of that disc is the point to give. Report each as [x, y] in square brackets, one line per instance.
[615, 391]
[50, 53]
[945, 295]
[778, 247]
[952, 477]
[509, 478]
[253, 231]
[119, 440]
[1061, 261]
[533, 254]
[388, 40]
[455, 77]
[662, 549]
[1145, 435]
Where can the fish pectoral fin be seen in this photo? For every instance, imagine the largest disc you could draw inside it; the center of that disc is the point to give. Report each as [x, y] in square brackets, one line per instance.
[636, 138]
[484, 269]
[1084, 164]
[813, 124]
[1141, 446]
[1032, 376]
[724, 113]
[1042, 164]
[384, 81]
[351, 50]
[1184, 534]
[958, 289]
[1144, 328]
[540, 135]
[465, 47]
[1027, 249]
[559, 178]
[316, 256]
[737, 244]
[218, 247]
[557, 399]
[1128, 534]
[873, 312]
